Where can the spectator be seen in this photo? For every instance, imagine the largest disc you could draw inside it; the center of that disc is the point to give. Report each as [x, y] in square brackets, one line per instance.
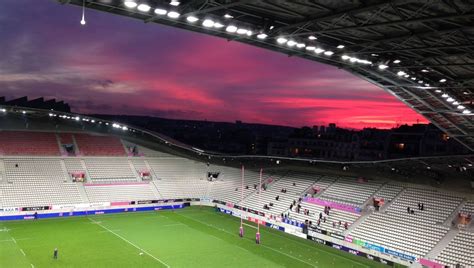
[277, 197]
[294, 184]
[408, 210]
[345, 225]
[320, 215]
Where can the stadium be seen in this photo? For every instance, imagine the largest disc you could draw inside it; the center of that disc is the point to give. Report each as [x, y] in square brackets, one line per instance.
[83, 191]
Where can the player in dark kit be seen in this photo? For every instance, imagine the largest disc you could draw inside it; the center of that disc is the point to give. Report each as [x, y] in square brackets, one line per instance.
[257, 238]
[241, 231]
[55, 254]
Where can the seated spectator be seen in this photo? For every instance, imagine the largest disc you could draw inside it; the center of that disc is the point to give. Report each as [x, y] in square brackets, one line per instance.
[294, 184]
[277, 197]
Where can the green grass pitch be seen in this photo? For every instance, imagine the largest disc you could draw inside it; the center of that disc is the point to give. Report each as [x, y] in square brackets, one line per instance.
[190, 237]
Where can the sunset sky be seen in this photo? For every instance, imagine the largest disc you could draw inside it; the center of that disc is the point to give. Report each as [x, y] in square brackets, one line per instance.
[120, 65]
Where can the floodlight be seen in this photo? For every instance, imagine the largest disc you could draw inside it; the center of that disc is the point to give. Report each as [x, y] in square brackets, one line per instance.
[130, 4]
[397, 61]
[328, 53]
[466, 112]
[208, 23]
[192, 19]
[340, 46]
[310, 48]
[218, 25]
[291, 43]
[442, 80]
[383, 66]
[175, 3]
[262, 36]
[160, 11]
[312, 37]
[242, 31]
[282, 40]
[318, 50]
[173, 14]
[143, 7]
[461, 107]
[400, 73]
[300, 45]
[231, 29]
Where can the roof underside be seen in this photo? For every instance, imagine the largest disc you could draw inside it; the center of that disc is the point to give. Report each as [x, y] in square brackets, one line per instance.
[433, 40]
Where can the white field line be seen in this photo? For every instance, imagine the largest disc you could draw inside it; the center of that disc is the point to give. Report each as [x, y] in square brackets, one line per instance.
[307, 246]
[22, 252]
[310, 264]
[124, 239]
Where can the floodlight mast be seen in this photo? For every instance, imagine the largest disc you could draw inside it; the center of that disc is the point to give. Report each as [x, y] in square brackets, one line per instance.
[257, 235]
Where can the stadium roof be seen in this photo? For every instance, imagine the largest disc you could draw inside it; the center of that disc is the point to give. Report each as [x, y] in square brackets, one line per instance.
[421, 51]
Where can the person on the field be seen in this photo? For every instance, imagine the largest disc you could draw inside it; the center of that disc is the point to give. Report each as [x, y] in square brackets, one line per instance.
[241, 231]
[55, 253]
[257, 238]
[36, 215]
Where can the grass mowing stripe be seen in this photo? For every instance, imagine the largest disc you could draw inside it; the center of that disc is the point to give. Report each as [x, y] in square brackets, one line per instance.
[310, 264]
[124, 239]
[225, 216]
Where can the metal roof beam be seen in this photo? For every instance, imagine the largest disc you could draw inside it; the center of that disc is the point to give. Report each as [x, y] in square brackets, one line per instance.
[337, 14]
[391, 23]
[408, 49]
[216, 8]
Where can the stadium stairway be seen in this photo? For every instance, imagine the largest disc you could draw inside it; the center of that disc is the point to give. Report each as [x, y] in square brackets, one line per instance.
[155, 190]
[82, 192]
[442, 244]
[3, 177]
[386, 205]
[454, 214]
[364, 215]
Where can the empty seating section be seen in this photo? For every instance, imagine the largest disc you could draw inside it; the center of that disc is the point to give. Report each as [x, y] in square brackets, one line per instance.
[34, 170]
[73, 165]
[37, 182]
[334, 217]
[414, 233]
[460, 250]
[66, 138]
[93, 145]
[350, 191]
[438, 206]
[468, 208]
[402, 233]
[120, 193]
[293, 192]
[388, 192]
[110, 170]
[39, 194]
[28, 143]
[185, 188]
[140, 165]
[177, 168]
[228, 186]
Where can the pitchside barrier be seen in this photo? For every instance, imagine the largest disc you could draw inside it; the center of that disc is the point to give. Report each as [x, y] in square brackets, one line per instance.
[345, 243]
[334, 240]
[69, 210]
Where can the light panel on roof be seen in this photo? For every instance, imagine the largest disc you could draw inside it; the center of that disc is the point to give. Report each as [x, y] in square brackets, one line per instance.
[143, 7]
[231, 29]
[130, 4]
[160, 11]
[173, 14]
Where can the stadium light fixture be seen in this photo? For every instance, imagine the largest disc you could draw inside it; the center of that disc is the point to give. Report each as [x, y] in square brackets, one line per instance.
[175, 3]
[413, 78]
[281, 40]
[424, 71]
[231, 29]
[461, 107]
[143, 7]
[340, 46]
[83, 20]
[427, 85]
[383, 66]
[228, 16]
[397, 61]
[318, 50]
[77, 118]
[218, 25]
[173, 14]
[160, 11]
[310, 48]
[291, 43]
[442, 80]
[208, 23]
[449, 99]
[406, 76]
[249, 33]
[130, 4]
[438, 91]
[456, 103]
[466, 112]
[300, 45]
[23, 112]
[262, 36]
[328, 53]
[312, 37]
[124, 128]
[192, 19]
[3, 110]
[401, 73]
[92, 121]
[445, 96]
[345, 57]
[242, 31]
[420, 82]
